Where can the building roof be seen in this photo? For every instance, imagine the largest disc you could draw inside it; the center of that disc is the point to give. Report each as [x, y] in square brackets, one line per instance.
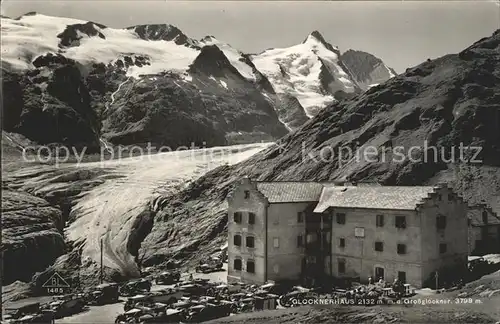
[374, 197]
[281, 192]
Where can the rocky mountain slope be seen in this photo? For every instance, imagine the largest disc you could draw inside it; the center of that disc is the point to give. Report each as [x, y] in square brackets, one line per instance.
[31, 235]
[443, 103]
[368, 70]
[199, 90]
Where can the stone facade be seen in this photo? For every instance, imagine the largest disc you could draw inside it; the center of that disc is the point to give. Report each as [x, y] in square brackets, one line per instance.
[357, 241]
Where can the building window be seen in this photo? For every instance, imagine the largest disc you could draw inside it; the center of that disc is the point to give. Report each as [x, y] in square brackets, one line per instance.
[237, 240]
[276, 220]
[250, 266]
[327, 219]
[311, 259]
[441, 222]
[251, 218]
[300, 217]
[276, 242]
[469, 222]
[450, 197]
[400, 222]
[442, 248]
[342, 243]
[380, 220]
[402, 276]
[237, 264]
[440, 197]
[300, 241]
[237, 217]
[341, 266]
[250, 242]
[276, 268]
[379, 246]
[485, 217]
[311, 238]
[340, 218]
[247, 194]
[401, 248]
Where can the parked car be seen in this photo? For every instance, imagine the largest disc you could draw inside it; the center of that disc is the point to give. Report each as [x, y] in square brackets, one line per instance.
[135, 287]
[201, 313]
[22, 310]
[167, 316]
[134, 300]
[212, 266]
[168, 278]
[104, 294]
[67, 306]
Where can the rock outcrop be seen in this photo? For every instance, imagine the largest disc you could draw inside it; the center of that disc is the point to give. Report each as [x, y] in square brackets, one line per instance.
[31, 235]
[51, 104]
[366, 69]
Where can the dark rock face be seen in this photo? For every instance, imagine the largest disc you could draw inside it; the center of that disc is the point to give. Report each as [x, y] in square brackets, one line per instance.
[260, 79]
[72, 34]
[163, 32]
[12, 97]
[361, 64]
[150, 113]
[31, 237]
[51, 60]
[212, 62]
[55, 104]
[291, 111]
[447, 102]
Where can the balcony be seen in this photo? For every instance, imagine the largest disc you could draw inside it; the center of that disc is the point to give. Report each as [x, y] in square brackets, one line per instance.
[316, 248]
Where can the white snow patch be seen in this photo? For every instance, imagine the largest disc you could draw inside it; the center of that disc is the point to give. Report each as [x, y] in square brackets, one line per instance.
[25, 39]
[494, 258]
[224, 84]
[187, 77]
[379, 74]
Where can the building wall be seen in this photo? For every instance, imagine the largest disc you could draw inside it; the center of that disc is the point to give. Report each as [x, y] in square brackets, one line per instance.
[285, 262]
[474, 236]
[455, 235]
[359, 252]
[257, 204]
[484, 238]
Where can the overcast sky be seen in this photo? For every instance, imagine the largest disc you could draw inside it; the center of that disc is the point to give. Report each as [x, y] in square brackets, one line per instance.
[402, 34]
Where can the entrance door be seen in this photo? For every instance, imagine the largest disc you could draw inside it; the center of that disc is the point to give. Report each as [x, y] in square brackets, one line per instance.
[379, 273]
[402, 276]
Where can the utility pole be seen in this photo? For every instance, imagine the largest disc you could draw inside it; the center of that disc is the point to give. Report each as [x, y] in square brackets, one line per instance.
[101, 273]
[437, 280]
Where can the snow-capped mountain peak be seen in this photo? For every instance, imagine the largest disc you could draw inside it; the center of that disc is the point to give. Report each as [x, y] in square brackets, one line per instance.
[237, 58]
[311, 74]
[310, 71]
[212, 61]
[315, 37]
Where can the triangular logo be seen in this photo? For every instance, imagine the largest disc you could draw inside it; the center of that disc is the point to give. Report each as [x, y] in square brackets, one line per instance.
[56, 281]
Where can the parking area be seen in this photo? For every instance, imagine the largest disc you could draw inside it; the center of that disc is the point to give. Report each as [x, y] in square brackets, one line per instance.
[95, 314]
[108, 313]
